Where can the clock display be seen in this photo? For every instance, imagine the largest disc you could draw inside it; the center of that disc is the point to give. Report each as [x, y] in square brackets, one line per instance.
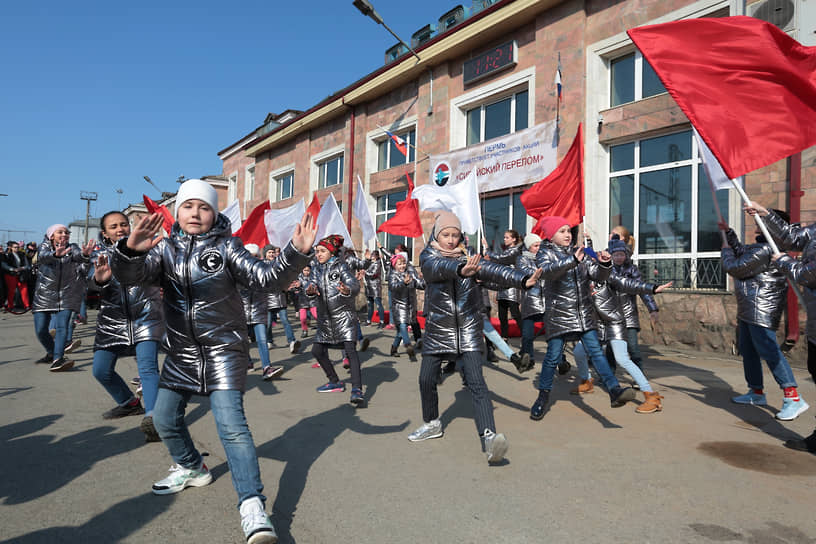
[489, 62]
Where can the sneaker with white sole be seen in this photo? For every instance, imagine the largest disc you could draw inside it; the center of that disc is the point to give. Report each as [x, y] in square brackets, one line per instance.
[750, 397]
[294, 346]
[181, 477]
[271, 371]
[72, 346]
[495, 446]
[432, 429]
[256, 524]
[791, 409]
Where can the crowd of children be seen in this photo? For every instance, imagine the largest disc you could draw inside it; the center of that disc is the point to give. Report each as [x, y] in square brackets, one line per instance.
[203, 295]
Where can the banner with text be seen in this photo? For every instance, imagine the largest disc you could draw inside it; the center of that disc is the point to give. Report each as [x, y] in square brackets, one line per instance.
[520, 158]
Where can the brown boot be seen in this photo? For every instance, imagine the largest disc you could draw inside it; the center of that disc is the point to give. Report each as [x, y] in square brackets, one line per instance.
[584, 387]
[651, 404]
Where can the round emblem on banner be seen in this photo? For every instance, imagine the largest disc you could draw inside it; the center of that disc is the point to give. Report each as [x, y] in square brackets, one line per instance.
[441, 174]
[211, 261]
[334, 276]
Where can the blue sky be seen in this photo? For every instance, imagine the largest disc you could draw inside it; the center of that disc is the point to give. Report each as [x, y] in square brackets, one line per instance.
[95, 95]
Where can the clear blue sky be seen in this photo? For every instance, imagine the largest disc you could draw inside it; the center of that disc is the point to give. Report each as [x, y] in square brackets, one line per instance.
[95, 95]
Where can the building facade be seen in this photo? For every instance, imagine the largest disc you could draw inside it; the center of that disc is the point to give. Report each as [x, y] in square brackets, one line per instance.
[642, 167]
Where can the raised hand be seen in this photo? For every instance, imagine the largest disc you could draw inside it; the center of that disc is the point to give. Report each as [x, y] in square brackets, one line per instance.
[144, 237]
[102, 272]
[534, 278]
[579, 254]
[344, 289]
[471, 267]
[87, 248]
[661, 288]
[407, 279]
[311, 290]
[367, 253]
[305, 233]
[604, 256]
[61, 249]
[754, 208]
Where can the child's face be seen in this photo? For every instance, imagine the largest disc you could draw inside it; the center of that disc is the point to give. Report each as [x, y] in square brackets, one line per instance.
[270, 254]
[195, 216]
[534, 248]
[509, 240]
[401, 265]
[60, 237]
[618, 258]
[449, 238]
[562, 236]
[307, 270]
[116, 227]
[322, 254]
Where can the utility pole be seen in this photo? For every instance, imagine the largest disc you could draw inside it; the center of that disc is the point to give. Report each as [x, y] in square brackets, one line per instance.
[119, 199]
[87, 196]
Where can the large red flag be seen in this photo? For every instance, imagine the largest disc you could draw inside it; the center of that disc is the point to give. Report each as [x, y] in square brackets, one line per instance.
[314, 207]
[747, 87]
[405, 221]
[152, 207]
[253, 231]
[562, 192]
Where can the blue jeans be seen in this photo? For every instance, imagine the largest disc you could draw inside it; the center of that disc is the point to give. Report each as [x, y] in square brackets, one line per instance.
[632, 345]
[282, 318]
[233, 430]
[402, 334]
[371, 301]
[495, 339]
[260, 338]
[621, 357]
[555, 348]
[528, 333]
[757, 343]
[69, 336]
[56, 345]
[147, 360]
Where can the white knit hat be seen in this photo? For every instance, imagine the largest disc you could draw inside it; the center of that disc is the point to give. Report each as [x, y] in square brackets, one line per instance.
[201, 190]
[531, 239]
[253, 248]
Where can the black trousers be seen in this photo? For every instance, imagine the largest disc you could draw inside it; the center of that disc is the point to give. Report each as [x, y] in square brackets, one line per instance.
[321, 353]
[505, 305]
[812, 360]
[471, 362]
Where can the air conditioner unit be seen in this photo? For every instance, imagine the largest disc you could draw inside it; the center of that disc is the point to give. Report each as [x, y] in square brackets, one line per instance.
[451, 18]
[422, 35]
[781, 13]
[394, 52]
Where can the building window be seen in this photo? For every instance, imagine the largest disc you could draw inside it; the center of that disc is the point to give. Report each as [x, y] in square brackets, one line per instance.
[502, 213]
[494, 119]
[632, 78]
[659, 191]
[388, 154]
[386, 208]
[249, 184]
[284, 186]
[330, 172]
[232, 188]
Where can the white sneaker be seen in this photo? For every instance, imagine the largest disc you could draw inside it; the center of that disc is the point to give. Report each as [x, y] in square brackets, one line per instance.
[294, 346]
[495, 446]
[432, 429]
[181, 477]
[257, 527]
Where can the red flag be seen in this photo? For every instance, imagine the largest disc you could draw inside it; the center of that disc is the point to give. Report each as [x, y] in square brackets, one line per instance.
[747, 87]
[253, 231]
[152, 207]
[314, 207]
[405, 221]
[562, 192]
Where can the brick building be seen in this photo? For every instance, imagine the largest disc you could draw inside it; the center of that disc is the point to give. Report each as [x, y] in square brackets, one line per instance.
[642, 168]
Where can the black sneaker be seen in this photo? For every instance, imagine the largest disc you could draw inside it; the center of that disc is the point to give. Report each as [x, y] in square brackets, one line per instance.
[621, 395]
[149, 430]
[364, 344]
[46, 359]
[304, 334]
[521, 361]
[62, 364]
[394, 352]
[539, 408]
[564, 367]
[129, 409]
[409, 349]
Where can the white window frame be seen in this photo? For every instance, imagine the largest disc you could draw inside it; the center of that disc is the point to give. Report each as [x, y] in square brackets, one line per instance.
[317, 160]
[638, 83]
[487, 94]
[274, 182]
[411, 147]
[374, 137]
[232, 187]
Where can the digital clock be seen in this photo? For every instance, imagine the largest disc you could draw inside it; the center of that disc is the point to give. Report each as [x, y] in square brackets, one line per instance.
[491, 61]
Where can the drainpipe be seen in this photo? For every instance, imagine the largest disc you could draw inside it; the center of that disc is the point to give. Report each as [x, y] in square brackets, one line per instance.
[349, 204]
[795, 210]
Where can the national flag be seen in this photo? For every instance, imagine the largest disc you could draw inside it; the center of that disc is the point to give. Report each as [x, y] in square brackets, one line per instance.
[398, 142]
[253, 231]
[330, 221]
[281, 223]
[745, 85]
[363, 213]
[233, 213]
[558, 78]
[153, 207]
[561, 193]
[462, 199]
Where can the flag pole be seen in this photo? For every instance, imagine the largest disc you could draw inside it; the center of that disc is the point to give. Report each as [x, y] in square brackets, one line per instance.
[406, 143]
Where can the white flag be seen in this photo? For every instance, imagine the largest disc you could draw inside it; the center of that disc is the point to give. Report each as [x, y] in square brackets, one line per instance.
[363, 213]
[280, 224]
[330, 221]
[233, 213]
[716, 174]
[462, 199]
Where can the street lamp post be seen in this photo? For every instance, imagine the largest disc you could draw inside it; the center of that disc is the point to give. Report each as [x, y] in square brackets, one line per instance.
[368, 10]
[119, 199]
[87, 196]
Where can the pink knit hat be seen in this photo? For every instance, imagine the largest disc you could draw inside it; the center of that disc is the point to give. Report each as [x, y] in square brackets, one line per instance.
[54, 228]
[548, 226]
[396, 257]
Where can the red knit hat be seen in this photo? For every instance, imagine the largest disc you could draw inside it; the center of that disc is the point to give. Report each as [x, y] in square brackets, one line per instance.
[548, 226]
[332, 242]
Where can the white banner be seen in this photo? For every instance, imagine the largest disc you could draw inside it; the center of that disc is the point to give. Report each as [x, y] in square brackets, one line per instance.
[520, 158]
[280, 224]
[363, 214]
[233, 213]
[460, 198]
[330, 221]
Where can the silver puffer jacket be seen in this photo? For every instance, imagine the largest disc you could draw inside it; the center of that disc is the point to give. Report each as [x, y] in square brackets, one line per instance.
[798, 238]
[453, 303]
[403, 295]
[608, 298]
[760, 287]
[353, 262]
[276, 299]
[61, 281]
[256, 307]
[301, 298]
[127, 315]
[507, 257]
[206, 325]
[630, 306]
[533, 300]
[569, 306]
[373, 283]
[336, 315]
